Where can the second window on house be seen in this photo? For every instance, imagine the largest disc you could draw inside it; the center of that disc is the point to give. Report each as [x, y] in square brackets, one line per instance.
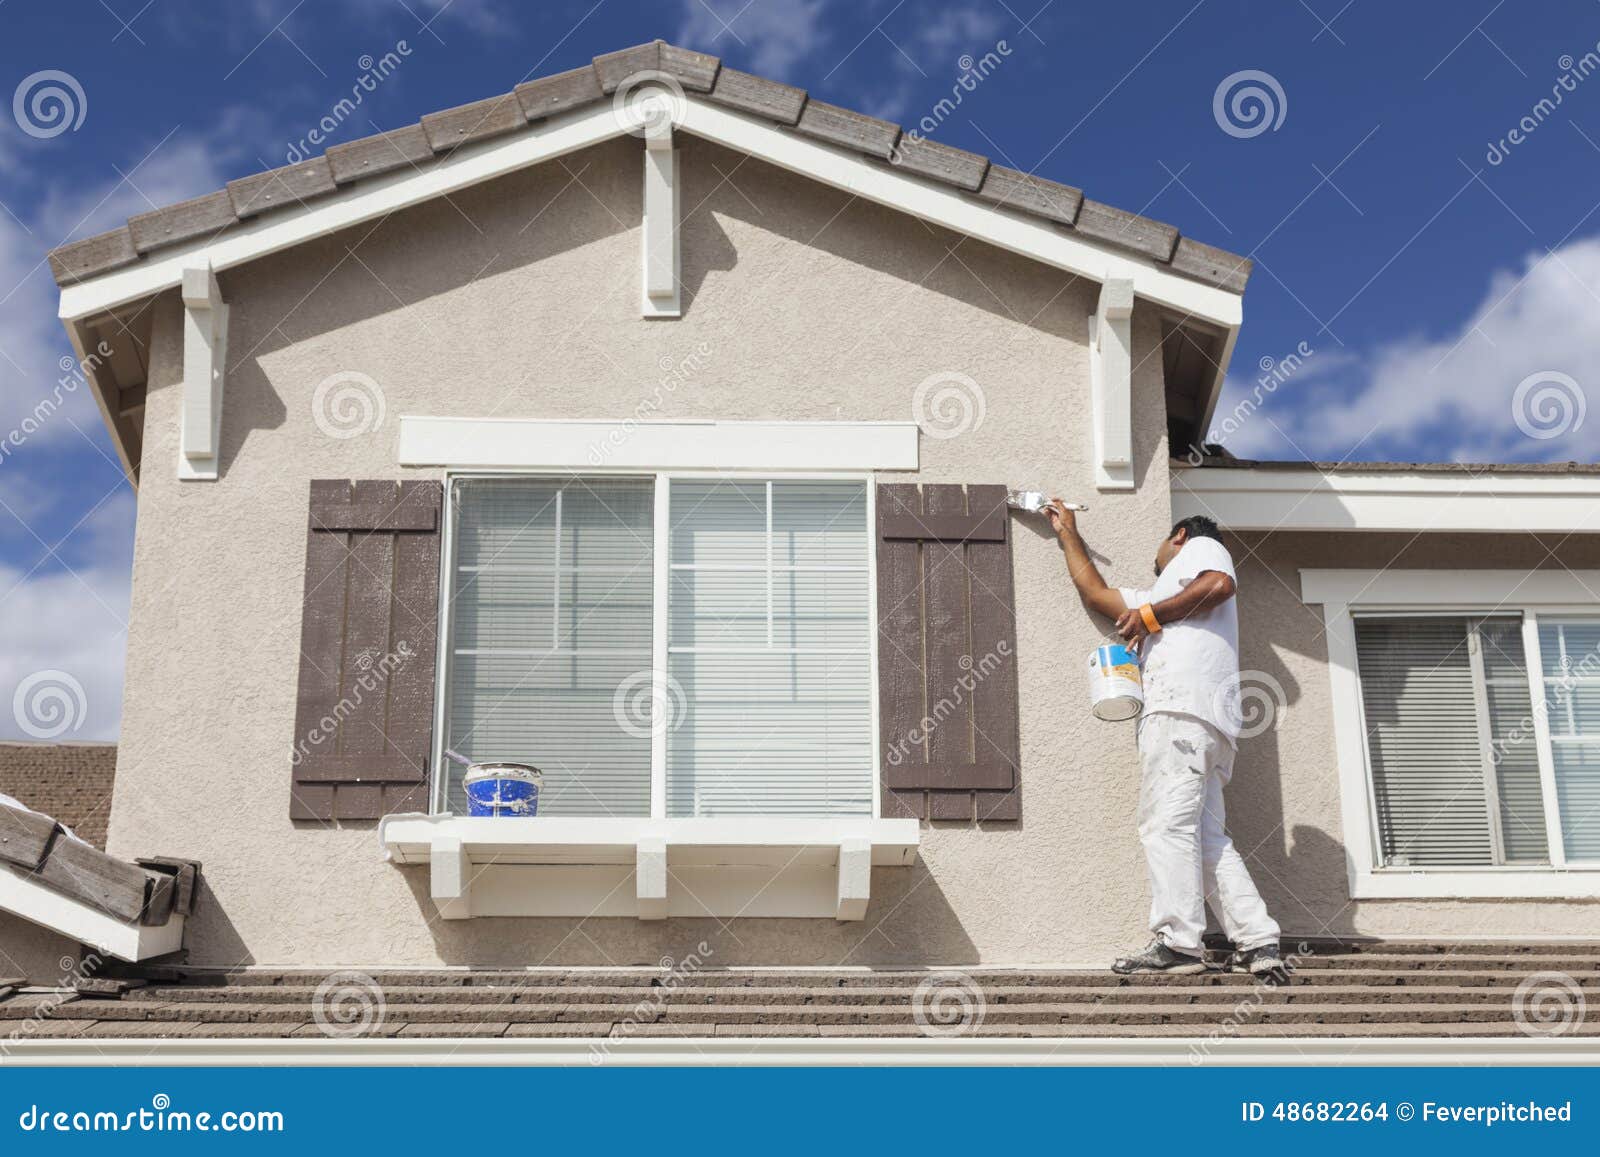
[704, 643]
[1482, 738]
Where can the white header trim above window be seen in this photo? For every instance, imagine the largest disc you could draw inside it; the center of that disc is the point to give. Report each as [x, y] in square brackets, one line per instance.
[1342, 591]
[626, 444]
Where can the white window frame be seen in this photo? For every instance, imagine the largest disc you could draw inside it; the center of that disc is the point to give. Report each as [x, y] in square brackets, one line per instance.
[1344, 594]
[662, 565]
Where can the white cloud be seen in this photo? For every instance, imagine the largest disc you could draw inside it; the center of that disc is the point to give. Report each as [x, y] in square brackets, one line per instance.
[770, 36]
[1452, 397]
[68, 612]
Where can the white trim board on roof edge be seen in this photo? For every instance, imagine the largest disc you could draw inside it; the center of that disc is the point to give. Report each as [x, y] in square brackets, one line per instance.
[1310, 499]
[626, 444]
[558, 136]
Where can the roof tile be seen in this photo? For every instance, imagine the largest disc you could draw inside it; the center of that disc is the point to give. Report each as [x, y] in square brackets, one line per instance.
[198, 217]
[697, 71]
[560, 93]
[1129, 230]
[92, 256]
[853, 130]
[479, 121]
[928, 158]
[756, 94]
[379, 153]
[1217, 266]
[615, 67]
[1026, 193]
[276, 188]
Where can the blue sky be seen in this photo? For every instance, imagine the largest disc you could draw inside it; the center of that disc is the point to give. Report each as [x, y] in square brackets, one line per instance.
[1419, 262]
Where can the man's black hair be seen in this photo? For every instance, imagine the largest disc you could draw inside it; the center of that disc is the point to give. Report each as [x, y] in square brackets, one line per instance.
[1198, 526]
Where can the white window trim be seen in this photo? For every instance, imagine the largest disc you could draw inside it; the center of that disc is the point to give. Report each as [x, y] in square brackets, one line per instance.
[780, 867]
[1341, 592]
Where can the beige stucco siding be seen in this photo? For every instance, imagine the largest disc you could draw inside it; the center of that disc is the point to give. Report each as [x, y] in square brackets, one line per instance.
[1283, 804]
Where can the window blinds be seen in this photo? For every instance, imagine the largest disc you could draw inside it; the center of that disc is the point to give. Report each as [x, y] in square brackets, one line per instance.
[552, 612]
[769, 649]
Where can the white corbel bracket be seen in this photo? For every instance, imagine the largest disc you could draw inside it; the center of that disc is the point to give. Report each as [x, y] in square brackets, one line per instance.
[450, 878]
[662, 258]
[650, 861]
[1111, 385]
[205, 351]
[855, 879]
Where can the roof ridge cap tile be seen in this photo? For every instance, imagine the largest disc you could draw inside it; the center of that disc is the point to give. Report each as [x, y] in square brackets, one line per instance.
[699, 73]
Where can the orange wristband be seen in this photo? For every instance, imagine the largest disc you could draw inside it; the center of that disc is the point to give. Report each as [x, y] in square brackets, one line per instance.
[1148, 614]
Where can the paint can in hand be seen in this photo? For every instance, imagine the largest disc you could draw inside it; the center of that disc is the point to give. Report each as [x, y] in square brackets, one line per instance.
[1116, 692]
[503, 789]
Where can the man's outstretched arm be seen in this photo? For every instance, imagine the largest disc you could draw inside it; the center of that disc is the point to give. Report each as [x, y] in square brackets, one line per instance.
[1092, 588]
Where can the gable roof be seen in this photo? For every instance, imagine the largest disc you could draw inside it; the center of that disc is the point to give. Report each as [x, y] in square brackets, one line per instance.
[438, 134]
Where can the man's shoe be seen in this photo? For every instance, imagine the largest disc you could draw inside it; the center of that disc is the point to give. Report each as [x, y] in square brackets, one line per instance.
[1159, 958]
[1259, 961]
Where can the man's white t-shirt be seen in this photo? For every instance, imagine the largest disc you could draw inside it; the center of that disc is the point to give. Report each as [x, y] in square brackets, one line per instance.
[1191, 667]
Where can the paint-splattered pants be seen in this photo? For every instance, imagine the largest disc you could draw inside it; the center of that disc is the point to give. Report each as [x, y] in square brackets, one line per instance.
[1192, 861]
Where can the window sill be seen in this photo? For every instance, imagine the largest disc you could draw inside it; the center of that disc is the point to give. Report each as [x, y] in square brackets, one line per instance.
[744, 866]
[1507, 883]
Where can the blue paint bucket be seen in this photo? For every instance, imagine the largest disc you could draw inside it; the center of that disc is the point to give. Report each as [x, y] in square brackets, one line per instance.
[1116, 690]
[503, 789]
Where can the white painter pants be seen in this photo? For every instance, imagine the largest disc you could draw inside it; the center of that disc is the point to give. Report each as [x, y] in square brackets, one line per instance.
[1186, 764]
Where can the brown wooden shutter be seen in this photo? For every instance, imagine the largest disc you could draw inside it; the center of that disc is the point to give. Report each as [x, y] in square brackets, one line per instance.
[364, 721]
[947, 654]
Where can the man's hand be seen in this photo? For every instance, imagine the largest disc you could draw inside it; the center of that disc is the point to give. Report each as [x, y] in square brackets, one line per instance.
[1061, 519]
[1130, 625]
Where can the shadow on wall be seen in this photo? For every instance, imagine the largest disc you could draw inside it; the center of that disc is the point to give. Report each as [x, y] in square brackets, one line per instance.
[908, 922]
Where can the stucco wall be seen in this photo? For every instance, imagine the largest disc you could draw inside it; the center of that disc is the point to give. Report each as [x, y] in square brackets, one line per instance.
[1283, 805]
[34, 954]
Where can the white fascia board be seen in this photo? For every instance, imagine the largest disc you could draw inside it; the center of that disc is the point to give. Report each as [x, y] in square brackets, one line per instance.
[75, 920]
[1030, 237]
[625, 444]
[1401, 588]
[1246, 499]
